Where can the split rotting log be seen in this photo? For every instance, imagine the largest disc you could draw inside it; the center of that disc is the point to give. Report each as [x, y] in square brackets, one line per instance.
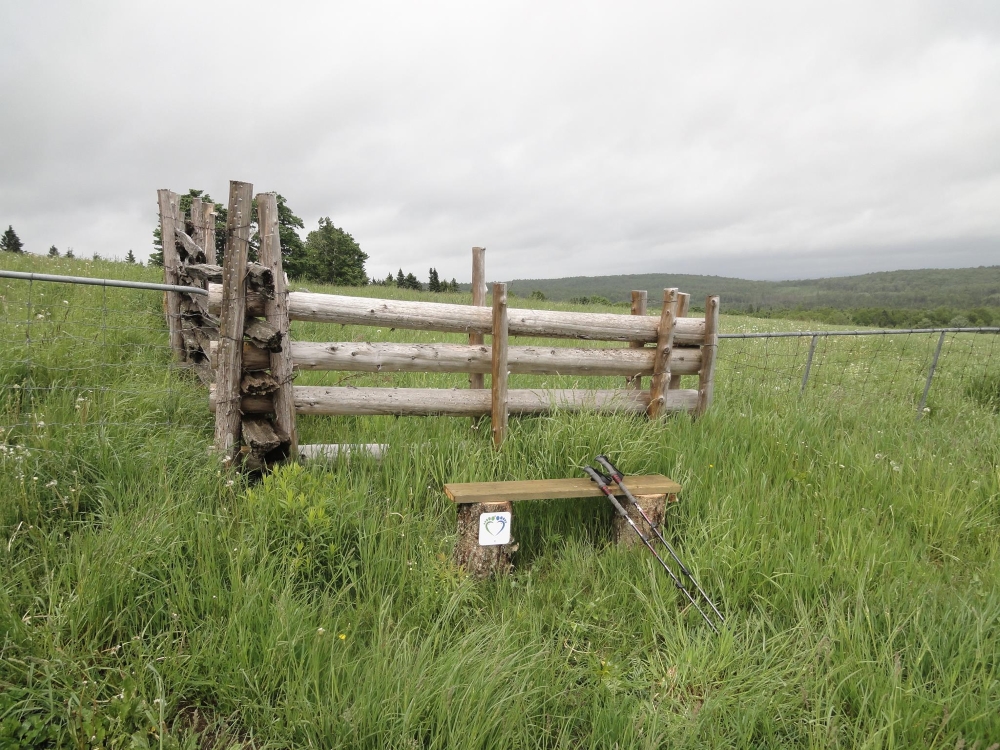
[259, 284]
[498, 382]
[258, 384]
[263, 335]
[481, 561]
[190, 251]
[638, 307]
[267, 444]
[664, 346]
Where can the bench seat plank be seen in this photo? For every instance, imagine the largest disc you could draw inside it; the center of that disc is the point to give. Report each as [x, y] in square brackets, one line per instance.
[553, 489]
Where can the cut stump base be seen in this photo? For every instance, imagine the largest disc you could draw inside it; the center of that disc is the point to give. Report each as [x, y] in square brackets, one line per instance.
[655, 507]
[481, 562]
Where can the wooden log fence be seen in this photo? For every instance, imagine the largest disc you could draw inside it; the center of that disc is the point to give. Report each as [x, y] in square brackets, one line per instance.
[238, 339]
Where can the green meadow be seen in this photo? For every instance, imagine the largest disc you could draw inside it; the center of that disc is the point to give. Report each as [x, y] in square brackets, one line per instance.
[151, 599]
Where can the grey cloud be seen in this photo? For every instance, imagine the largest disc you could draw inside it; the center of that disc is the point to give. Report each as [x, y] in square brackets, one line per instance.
[786, 139]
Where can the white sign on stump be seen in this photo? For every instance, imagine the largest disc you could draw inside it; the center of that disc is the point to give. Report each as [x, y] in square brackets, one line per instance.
[494, 528]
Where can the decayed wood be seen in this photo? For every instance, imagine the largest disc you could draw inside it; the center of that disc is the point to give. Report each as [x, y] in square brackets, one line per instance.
[231, 321]
[198, 225]
[638, 308]
[416, 402]
[259, 283]
[203, 273]
[664, 346]
[208, 222]
[498, 384]
[261, 435]
[263, 334]
[448, 318]
[352, 356]
[654, 506]
[480, 562]
[276, 310]
[169, 218]
[258, 384]
[332, 451]
[192, 252]
[706, 378]
[265, 444]
[683, 302]
[554, 489]
[476, 379]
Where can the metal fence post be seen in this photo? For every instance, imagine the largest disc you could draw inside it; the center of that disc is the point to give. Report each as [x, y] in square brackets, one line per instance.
[930, 375]
[809, 362]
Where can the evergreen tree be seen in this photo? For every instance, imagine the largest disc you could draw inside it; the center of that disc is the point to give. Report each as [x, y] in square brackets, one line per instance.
[400, 279]
[390, 280]
[53, 252]
[97, 257]
[434, 281]
[130, 258]
[454, 285]
[335, 256]
[69, 253]
[411, 282]
[10, 242]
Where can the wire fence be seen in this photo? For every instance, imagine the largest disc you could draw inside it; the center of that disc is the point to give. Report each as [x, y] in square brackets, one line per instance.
[86, 359]
[84, 356]
[921, 368]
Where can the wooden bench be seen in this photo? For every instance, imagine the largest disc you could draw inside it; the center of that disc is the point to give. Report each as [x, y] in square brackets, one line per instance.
[475, 499]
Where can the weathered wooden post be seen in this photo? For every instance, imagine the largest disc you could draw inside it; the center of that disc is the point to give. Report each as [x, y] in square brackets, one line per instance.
[499, 371]
[208, 222]
[169, 217]
[477, 379]
[664, 349]
[638, 308]
[276, 313]
[706, 376]
[232, 320]
[683, 302]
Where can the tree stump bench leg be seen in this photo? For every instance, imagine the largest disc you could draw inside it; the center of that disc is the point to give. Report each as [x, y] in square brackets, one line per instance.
[655, 507]
[481, 561]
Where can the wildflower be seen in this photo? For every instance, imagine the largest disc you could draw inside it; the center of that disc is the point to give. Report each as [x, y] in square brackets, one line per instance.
[342, 636]
[51, 484]
[320, 631]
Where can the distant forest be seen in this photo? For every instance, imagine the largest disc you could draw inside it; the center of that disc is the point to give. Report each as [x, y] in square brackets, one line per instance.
[891, 298]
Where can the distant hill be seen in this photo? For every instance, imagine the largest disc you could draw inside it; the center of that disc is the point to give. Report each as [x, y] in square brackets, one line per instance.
[927, 288]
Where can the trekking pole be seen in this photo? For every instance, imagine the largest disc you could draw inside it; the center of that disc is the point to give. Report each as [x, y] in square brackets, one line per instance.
[603, 482]
[620, 481]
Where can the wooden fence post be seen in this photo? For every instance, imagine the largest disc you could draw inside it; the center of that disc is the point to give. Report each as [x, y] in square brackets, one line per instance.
[706, 377]
[208, 221]
[198, 230]
[478, 380]
[499, 374]
[276, 312]
[638, 308]
[169, 210]
[664, 348]
[683, 302]
[232, 320]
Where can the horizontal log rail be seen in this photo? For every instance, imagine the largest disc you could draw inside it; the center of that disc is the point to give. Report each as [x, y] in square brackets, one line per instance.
[448, 318]
[344, 401]
[468, 358]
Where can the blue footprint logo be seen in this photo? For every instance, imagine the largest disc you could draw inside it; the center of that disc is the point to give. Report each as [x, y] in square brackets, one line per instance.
[495, 525]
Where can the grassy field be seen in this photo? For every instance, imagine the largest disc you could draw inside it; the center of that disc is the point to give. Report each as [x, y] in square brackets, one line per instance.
[150, 599]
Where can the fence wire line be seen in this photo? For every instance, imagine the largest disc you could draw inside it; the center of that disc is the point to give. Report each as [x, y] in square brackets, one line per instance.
[77, 362]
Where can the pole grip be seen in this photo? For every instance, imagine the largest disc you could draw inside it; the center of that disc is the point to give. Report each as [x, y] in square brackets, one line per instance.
[603, 461]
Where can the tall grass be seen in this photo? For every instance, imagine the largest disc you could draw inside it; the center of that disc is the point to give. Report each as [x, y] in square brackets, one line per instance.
[149, 598]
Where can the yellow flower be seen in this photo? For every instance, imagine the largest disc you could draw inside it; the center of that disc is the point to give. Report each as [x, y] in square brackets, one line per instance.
[342, 636]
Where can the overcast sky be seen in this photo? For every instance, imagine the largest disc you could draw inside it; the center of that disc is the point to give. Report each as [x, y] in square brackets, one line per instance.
[757, 139]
